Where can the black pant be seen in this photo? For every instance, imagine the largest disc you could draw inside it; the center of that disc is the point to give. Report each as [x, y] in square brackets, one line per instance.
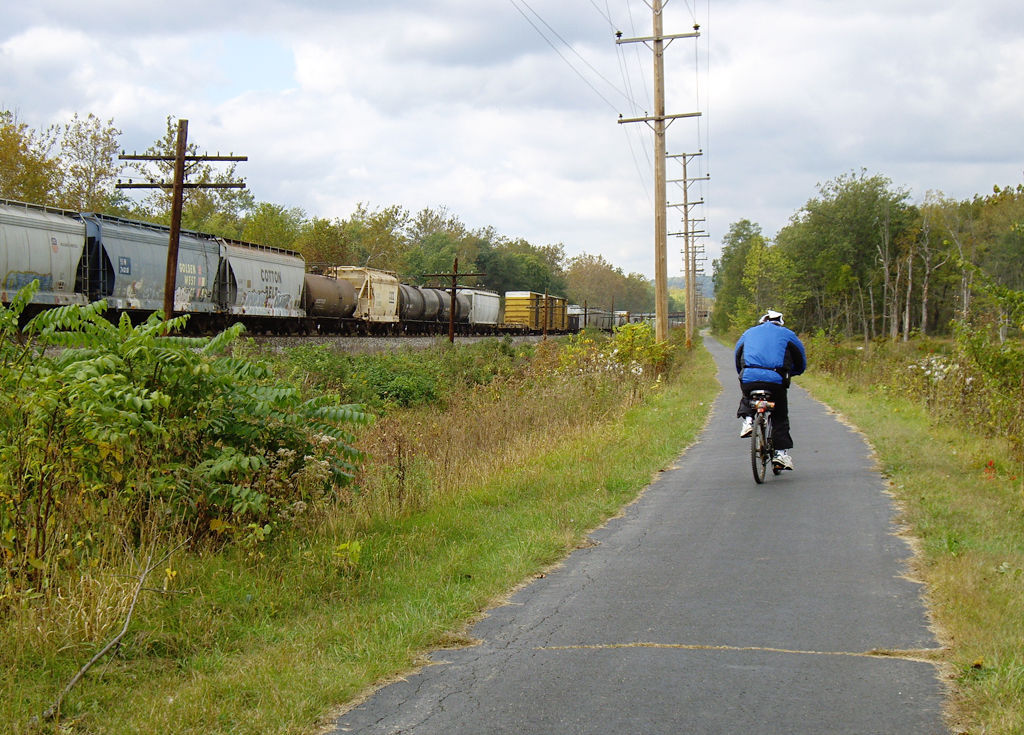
[780, 414]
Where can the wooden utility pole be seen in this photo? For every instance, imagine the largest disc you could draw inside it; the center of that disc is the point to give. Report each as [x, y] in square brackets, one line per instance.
[547, 315]
[660, 200]
[656, 42]
[177, 188]
[177, 195]
[689, 251]
[454, 275]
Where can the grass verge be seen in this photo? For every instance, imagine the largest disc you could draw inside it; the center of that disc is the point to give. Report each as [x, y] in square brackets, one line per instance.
[963, 498]
[269, 643]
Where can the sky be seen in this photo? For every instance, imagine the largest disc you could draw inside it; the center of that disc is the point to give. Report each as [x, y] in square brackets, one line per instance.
[505, 112]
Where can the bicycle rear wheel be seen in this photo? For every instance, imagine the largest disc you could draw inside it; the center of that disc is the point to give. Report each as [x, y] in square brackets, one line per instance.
[759, 449]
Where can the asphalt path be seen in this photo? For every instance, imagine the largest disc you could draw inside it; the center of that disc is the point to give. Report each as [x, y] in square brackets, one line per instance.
[712, 605]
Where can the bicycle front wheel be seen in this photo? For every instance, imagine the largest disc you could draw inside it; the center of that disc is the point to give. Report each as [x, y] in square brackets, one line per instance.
[759, 449]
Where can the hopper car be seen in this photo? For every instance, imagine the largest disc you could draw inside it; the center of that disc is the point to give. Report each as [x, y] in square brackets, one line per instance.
[82, 257]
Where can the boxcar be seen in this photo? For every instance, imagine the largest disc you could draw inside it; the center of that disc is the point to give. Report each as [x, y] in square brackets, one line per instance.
[588, 317]
[535, 312]
[556, 314]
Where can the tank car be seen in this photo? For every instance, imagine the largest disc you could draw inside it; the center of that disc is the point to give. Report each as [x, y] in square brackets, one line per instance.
[433, 301]
[411, 304]
[328, 298]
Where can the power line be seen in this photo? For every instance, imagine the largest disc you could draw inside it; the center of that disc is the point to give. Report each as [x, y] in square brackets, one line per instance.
[628, 97]
[578, 55]
[632, 25]
[706, 145]
[647, 93]
[624, 73]
[606, 15]
[623, 68]
[562, 56]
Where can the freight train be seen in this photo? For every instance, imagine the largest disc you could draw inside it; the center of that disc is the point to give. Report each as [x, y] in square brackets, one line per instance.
[78, 258]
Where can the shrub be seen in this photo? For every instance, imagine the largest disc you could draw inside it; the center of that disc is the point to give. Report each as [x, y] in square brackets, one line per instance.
[128, 427]
[405, 378]
[974, 382]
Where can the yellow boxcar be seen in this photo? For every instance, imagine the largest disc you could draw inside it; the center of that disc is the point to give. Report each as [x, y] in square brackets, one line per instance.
[528, 310]
[557, 314]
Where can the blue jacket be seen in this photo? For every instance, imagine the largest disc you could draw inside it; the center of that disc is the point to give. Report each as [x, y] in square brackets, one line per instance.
[769, 353]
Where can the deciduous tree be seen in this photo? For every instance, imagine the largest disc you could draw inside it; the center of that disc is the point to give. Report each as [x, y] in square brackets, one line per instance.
[273, 225]
[28, 171]
[217, 211]
[88, 157]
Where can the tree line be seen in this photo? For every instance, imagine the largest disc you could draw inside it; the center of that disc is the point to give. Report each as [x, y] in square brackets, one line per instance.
[75, 166]
[861, 259]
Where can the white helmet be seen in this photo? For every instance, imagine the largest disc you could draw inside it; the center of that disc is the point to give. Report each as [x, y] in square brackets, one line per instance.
[771, 316]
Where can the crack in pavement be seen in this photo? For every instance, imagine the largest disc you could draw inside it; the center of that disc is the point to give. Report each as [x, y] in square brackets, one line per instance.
[920, 655]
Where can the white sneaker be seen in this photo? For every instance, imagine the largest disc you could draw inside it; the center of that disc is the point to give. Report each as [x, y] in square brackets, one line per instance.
[748, 426]
[782, 460]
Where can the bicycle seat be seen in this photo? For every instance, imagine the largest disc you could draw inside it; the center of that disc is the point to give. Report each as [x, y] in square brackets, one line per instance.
[765, 395]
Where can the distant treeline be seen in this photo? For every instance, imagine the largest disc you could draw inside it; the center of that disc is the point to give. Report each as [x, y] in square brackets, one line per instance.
[861, 259]
[76, 166]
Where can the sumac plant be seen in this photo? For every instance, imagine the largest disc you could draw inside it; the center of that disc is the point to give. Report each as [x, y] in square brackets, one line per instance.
[114, 430]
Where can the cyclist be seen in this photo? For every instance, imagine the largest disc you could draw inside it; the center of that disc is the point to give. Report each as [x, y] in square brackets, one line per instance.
[767, 356]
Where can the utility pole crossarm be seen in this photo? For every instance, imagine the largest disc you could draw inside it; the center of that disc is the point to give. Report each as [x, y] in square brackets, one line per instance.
[657, 118]
[147, 157]
[692, 178]
[155, 185]
[645, 39]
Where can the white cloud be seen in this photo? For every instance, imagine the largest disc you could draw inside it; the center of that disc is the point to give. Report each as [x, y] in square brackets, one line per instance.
[464, 105]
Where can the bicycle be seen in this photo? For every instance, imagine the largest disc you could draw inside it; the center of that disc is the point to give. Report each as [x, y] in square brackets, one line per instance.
[761, 446]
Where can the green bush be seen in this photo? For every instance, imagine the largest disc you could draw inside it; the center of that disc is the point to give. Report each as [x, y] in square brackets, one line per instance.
[631, 350]
[405, 378]
[975, 381]
[128, 429]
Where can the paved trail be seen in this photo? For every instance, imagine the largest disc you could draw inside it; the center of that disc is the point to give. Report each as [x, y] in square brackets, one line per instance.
[713, 605]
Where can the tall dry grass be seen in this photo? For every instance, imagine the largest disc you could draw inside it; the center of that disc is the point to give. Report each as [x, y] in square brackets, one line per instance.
[426, 453]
